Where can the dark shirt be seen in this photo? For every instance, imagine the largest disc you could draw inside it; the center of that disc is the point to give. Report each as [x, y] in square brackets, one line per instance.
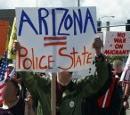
[18, 109]
[59, 90]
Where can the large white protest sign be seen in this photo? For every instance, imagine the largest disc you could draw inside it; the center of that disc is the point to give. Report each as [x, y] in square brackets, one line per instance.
[56, 39]
[117, 44]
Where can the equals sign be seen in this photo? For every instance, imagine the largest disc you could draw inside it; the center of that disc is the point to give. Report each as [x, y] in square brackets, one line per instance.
[55, 41]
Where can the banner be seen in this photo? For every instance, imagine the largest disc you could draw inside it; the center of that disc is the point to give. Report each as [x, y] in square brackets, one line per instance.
[117, 44]
[56, 39]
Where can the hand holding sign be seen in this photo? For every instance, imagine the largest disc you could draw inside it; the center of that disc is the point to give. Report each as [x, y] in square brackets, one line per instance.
[98, 44]
[16, 45]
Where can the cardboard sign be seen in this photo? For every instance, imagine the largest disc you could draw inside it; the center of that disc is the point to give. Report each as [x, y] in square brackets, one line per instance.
[117, 44]
[56, 39]
[4, 27]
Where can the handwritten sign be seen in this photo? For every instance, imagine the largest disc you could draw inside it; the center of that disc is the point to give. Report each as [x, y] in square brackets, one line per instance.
[56, 39]
[117, 43]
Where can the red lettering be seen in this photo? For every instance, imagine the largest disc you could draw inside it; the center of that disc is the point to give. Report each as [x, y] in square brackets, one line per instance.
[89, 59]
[21, 53]
[36, 62]
[85, 53]
[28, 60]
[33, 58]
[27, 63]
[50, 61]
[118, 46]
[33, 62]
[116, 52]
[41, 61]
[124, 40]
[77, 58]
[120, 40]
[78, 61]
[74, 56]
[121, 34]
[61, 53]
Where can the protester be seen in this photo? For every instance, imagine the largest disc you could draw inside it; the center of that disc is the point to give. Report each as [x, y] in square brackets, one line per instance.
[118, 69]
[12, 103]
[89, 105]
[110, 102]
[126, 91]
[127, 88]
[70, 93]
[127, 75]
[107, 100]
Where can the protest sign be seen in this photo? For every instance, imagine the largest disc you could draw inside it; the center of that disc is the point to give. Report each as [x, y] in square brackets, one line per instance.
[117, 44]
[56, 39]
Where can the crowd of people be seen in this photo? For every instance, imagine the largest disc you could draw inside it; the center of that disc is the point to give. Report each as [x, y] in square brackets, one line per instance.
[29, 93]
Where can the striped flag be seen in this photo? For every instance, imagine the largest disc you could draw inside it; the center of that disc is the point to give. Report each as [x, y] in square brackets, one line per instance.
[3, 74]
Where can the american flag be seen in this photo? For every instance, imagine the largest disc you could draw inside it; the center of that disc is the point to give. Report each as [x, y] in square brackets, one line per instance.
[3, 72]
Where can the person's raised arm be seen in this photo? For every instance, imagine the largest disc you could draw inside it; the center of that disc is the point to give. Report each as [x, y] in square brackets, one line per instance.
[92, 84]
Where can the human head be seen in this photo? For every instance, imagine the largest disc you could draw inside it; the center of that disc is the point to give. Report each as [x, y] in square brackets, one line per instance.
[118, 66]
[97, 44]
[10, 67]
[10, 91]
[64, 77]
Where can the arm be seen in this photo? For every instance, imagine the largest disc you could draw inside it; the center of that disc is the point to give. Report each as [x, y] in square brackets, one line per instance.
[126, 96]
[92, 84]
[34, 82]
[127, 90]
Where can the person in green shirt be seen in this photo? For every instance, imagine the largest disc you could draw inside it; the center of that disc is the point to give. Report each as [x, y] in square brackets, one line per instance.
[70, 93]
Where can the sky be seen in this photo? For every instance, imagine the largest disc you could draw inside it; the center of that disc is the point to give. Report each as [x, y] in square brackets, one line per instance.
[105, 8]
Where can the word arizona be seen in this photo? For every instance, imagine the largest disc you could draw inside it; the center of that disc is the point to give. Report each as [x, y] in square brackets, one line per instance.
[57, 21]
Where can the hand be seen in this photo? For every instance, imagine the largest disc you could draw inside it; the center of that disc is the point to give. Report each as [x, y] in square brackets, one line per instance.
[16, 45]
[126, 104]
[29, 101]
[97, 45]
